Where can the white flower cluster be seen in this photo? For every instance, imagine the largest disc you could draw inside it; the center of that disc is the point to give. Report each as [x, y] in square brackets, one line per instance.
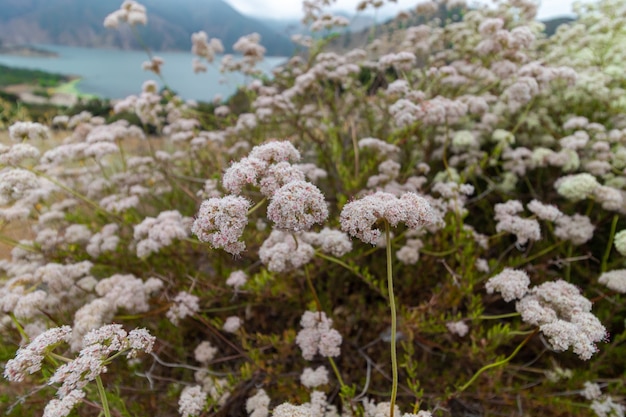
[183, 305]
[524, 229]
[99, 345]
[561, 312]
[130, 11]
[359, 217]
[258, 404]
[192, 401]
[614, 280]
[318, 336]
[153, 234]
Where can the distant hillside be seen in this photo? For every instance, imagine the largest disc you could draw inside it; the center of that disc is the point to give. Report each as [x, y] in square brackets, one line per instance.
[170, 24]
[391, 33]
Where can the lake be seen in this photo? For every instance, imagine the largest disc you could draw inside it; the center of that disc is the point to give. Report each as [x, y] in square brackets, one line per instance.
[111, 73]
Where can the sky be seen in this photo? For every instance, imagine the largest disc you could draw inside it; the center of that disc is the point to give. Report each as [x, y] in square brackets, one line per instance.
[285, 9]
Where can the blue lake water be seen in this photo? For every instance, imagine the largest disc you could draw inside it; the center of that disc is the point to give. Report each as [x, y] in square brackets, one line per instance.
[112, 73]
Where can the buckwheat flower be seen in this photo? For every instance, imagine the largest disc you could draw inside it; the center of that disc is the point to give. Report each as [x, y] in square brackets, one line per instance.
[140, 340]
[312, 172]
[77, 233]
[247, 171]
[192, 401]
[232, 324]
[620, 242]
[290, 410]
[221, 221]
[311, 378]
[152, 234]
[28, 359]
[544, 211]
[183, 305]
[62, 407]
[606, 407]
[614, 280]
[277, 176]
[282, 253]
[577, 228]
[421, 413]
[275, 151]
[383, 148]
[359, 217]
[510, 283]
[17, 153]
[297, 206]
[458, 327]
[523, 229]
[205, 352]
[16, 183]
[21, 131]
[104, 241]
[237, 279]
[330, 241]
[409, 254]
[258, 404]
[591, 391]
[576, 187]
[318, 336]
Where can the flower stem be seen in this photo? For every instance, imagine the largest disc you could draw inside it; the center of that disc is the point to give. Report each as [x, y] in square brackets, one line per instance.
[392, 305]
[609, 244]
[499, 363]
[103, 397]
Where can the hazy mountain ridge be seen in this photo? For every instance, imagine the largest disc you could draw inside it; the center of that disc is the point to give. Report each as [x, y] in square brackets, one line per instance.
[170, 24]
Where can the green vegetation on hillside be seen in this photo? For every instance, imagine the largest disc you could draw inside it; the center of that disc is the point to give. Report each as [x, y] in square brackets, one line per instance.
[11, 76]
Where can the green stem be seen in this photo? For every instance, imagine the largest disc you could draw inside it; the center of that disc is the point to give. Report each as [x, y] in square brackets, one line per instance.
[336, 371]
[312, 288]
[609, 245]
[103, 397]
[499, 363]
[499, 316]
[257, 206]
[392, 305]
[538, 254]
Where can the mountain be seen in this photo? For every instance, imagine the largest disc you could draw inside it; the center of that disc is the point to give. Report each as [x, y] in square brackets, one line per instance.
[170, 24]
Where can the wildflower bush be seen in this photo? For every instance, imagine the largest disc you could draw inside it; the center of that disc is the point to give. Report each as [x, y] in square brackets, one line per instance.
[434, 230]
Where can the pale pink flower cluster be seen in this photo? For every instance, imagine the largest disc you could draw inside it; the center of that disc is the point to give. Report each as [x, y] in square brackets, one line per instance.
[313, 378]
[21, 131]
[28, 359]
[99, 345]
[153, 65]
[205, 352]
[283, 251]
[614, 280]
[17, 153]
[237, 279]
[192, 401]
[512, 284]
[130, 11]
[153, 234]
[221, 222]
[359, 217]
[106, 240]
[318, 336]
[183, 305]
[297, 206]
[460, 328]
[258, 404]
[232, 324]
[563, 316]
[508, 221]
[205, 48]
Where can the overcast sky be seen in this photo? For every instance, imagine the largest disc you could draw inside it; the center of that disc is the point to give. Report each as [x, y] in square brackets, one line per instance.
[292, 8]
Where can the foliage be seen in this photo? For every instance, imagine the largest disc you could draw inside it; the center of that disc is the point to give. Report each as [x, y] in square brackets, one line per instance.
[478, 174]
